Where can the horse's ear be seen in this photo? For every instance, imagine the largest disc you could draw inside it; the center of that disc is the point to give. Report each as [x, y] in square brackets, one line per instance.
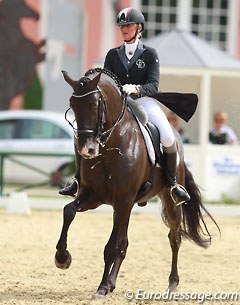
[68, 79]
[95, 81]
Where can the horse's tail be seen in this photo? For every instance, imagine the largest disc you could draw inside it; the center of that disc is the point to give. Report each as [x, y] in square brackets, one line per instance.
[193, 224]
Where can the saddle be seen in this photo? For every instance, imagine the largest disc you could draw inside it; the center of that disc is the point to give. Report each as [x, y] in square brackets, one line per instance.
[152, 140]
[149, 131]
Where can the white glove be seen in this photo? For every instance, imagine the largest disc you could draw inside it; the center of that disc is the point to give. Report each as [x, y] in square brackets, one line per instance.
[131, 89]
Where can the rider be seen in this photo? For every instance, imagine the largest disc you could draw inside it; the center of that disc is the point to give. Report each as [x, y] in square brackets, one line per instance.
[137, 67]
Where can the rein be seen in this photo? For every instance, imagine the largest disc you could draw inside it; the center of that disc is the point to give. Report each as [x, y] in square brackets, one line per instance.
[108, 132]
[98, 131]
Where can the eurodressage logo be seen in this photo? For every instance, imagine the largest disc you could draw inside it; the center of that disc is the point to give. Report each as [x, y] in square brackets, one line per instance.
[140, 64]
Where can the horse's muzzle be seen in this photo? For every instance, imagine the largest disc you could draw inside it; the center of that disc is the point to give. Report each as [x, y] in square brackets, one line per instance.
[89, 150]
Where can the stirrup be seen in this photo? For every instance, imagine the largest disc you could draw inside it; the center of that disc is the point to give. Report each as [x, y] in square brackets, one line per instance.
[174, 197]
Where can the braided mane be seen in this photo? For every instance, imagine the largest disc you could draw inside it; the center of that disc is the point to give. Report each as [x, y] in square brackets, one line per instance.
[104, 71]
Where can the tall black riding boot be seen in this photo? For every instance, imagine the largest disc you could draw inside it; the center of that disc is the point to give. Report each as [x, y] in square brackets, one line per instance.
[178, 193]
[71, 190]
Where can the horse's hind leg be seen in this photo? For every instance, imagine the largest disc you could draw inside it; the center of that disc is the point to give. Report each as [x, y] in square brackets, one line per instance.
[175, 242]
[115, 250]
[173, 215]
[63, 257]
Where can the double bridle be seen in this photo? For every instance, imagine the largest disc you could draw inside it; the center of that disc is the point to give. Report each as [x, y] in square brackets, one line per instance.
[97, 132]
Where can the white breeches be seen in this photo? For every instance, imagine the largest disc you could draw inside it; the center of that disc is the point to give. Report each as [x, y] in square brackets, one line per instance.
[158, 118]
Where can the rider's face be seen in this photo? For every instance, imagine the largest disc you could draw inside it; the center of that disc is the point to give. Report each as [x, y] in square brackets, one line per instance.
[128, 31]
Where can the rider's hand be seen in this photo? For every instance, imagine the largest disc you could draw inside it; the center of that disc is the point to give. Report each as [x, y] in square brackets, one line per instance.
[131, 89]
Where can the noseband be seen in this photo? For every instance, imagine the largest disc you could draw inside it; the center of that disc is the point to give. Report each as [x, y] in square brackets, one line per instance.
[98, 131]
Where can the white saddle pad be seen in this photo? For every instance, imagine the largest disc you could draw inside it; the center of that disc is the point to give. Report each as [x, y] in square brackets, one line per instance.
[148, 142]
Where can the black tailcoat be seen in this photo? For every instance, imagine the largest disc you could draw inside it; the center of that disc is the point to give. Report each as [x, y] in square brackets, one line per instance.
[142, 69]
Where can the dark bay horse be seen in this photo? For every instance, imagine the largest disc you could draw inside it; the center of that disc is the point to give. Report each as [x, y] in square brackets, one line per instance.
[114, 167]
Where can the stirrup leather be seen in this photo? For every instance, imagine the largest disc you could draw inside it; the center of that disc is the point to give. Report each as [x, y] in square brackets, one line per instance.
[174, 198]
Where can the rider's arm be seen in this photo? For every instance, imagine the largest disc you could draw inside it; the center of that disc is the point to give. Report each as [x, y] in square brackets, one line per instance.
[151, 85]
[108, 61]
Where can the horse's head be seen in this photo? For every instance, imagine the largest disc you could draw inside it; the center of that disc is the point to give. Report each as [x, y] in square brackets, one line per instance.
[88, 106]
[99, 106]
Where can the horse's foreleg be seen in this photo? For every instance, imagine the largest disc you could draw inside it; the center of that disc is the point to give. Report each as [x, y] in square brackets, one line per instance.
[109, 254]
[119, 257]
[63, 257]
[115, 250]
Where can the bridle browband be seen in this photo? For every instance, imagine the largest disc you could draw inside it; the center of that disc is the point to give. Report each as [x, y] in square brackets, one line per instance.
[86, 94]
[97, 132]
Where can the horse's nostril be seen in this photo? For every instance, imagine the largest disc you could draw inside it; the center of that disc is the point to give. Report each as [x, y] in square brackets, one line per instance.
[91, 151]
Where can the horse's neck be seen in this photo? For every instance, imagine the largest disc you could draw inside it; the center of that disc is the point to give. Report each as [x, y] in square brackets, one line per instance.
[114, 107]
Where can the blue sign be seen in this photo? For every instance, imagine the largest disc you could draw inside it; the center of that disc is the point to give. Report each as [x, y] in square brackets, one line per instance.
[227, 166]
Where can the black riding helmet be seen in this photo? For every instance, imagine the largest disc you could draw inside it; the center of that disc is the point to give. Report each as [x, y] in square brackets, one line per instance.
[130, 15]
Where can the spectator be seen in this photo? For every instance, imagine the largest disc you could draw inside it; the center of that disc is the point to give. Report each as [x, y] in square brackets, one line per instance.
[174, 121]
[222, 133]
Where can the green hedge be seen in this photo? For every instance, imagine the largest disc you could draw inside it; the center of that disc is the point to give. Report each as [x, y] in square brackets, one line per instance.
[33, 95]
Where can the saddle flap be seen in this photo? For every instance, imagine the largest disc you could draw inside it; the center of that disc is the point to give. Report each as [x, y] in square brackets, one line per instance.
[155, 137]
[149, 131]
[138, 111]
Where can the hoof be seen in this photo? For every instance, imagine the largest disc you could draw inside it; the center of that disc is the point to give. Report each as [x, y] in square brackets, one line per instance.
[97, 296]
[172, 287]
[63, 261]
[101, 293]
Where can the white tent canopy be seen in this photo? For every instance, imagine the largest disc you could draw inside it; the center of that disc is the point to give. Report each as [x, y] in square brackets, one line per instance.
[190, 64]
[178, 48]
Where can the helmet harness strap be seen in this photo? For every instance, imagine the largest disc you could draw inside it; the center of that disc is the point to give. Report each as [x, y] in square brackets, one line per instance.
[135, 35]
